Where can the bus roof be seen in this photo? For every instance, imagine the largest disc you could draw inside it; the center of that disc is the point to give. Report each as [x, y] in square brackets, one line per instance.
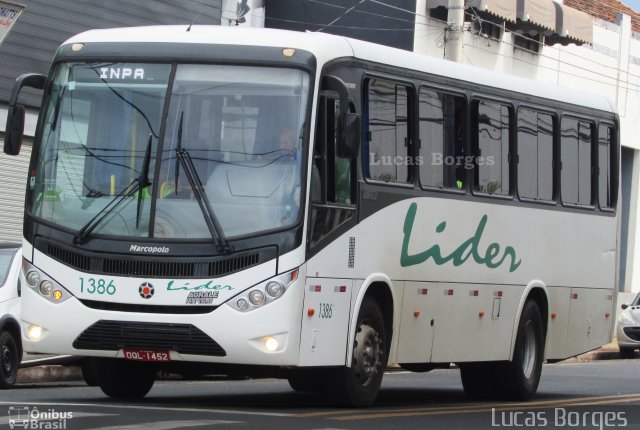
[327, 47]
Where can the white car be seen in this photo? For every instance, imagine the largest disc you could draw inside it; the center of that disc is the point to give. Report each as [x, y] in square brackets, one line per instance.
[10, 343]
[628, 331]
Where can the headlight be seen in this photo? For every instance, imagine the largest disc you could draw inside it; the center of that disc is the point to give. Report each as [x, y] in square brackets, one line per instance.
[264, 292]
[275, 289]
[46, 287]
[33, 278]
[256, 297]
[43, 284]
[627, 319]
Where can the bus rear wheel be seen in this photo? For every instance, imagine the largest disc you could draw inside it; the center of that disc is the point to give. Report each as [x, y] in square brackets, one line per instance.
[126, 380]
[358, 385]
[518, 379]
[477, 380]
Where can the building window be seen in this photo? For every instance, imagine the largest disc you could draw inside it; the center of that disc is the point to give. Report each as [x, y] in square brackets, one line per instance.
[491, 147]
[606, 191]
[442, 146]
[388, 132]
[575, 153]
[487, 29]
[535, 155]
[528, 43]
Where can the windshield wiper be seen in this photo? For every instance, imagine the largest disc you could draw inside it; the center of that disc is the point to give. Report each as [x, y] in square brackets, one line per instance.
[137, 185]
[205, 205]
[143, 179]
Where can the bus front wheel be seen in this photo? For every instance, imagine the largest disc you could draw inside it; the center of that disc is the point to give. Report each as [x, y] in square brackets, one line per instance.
[126, 380]
[358, 385]
[518, 379]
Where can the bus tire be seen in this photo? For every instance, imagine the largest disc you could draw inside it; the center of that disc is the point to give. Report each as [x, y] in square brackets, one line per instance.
[477, 380]
[358, 384]
[305, 381]
[627, 352]
[89, 372]
[125, 380]
[9, 360]
[518, 379]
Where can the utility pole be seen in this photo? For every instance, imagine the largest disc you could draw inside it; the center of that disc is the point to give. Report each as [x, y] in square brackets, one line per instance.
[453, 37]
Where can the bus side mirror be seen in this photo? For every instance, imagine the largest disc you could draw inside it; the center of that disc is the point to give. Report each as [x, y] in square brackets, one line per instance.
[624, 307]
[15, 130]
[349, 135]
[15, 115]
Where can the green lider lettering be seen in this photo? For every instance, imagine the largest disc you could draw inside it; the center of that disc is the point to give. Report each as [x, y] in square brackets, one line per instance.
[171, 286]
[467, 249]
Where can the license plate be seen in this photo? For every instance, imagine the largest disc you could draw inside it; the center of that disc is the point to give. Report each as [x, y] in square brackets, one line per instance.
[146, 355]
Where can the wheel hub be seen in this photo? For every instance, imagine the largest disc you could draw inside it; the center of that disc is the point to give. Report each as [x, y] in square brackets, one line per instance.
[529, 350]
[367, 355]
[7, 359]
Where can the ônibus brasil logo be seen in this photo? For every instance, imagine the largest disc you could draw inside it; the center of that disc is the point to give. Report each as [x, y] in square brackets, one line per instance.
[146, 290]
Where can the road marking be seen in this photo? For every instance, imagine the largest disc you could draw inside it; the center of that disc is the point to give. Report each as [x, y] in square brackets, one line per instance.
[470, 406]
[170, 425]
[450, 411]
[152, 408]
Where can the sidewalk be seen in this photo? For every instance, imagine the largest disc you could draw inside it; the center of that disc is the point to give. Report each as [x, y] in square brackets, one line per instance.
[39, 369]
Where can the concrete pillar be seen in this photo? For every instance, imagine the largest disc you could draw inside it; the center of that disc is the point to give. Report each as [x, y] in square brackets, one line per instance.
[455, 23]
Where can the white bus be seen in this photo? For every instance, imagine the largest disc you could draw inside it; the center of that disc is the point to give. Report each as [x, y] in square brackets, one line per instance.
[311, 207]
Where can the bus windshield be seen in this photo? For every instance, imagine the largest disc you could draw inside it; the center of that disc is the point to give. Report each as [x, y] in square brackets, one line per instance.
[116, 136]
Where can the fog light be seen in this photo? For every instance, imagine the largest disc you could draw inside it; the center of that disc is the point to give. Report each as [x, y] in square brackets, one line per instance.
[34, 332]
[33, 277]
[271, 344]
[46, 287]
[242, 304]
[275, 289]
[256, 297]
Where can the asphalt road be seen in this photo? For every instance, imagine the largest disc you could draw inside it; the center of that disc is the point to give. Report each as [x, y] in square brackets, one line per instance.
[595, 395]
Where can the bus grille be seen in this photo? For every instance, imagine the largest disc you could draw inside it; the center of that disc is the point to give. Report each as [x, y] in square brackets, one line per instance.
[116, 335]
[155, 267]
[151, 309]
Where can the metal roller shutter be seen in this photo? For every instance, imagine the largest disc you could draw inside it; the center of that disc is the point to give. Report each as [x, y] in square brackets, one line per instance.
[13, 180]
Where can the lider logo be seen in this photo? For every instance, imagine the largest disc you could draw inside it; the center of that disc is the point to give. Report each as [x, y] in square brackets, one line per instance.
[467, 249]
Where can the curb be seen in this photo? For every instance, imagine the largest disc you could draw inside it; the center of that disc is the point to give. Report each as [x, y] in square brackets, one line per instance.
[53, 373]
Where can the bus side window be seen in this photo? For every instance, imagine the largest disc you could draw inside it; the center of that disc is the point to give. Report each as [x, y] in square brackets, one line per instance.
[387, 132]
[535, 132]
[606, 167]
[442, 140]
[491, 147]
[576, 151]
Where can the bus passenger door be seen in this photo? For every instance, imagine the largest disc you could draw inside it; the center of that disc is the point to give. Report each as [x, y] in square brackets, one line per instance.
[331, 244]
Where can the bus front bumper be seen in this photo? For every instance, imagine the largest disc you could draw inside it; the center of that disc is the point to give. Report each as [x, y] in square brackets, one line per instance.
[266, 336]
